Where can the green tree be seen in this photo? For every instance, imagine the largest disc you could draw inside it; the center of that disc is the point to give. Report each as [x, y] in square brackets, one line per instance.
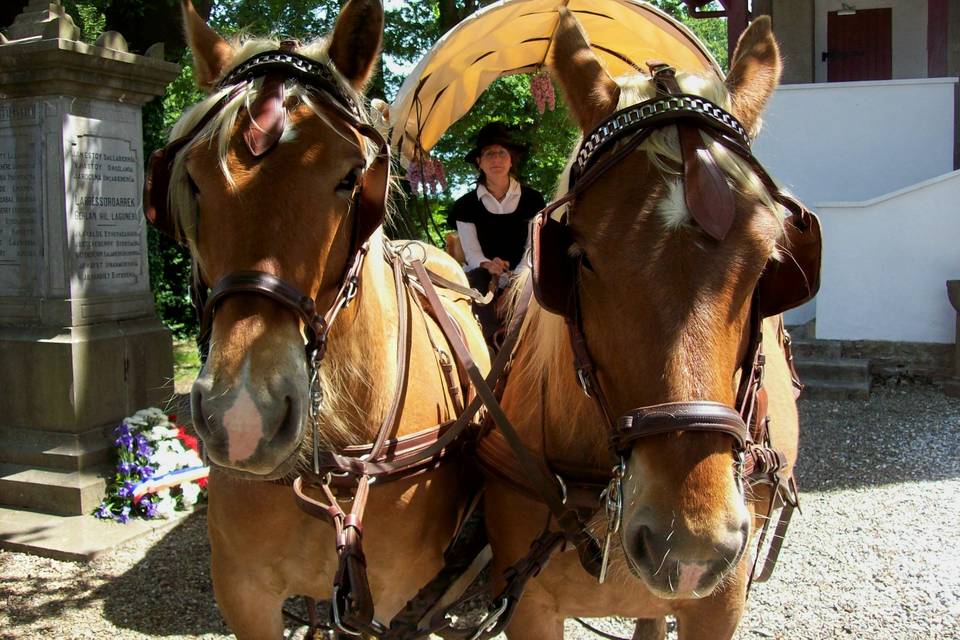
[411, 29]
[711, 31]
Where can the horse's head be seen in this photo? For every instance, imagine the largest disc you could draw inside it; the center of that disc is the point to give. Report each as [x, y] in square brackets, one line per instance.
[666, 299]
[269, 180]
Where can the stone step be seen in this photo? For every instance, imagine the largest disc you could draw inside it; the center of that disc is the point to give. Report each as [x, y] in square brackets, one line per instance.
[56, 451]
[833, 390]
[72, 537]
[53, 491]
[833, 370]
[803, 331]
[807, 348]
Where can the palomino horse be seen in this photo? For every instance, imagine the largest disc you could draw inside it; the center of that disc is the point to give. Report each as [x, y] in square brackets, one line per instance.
[665, 308]
[275, 186]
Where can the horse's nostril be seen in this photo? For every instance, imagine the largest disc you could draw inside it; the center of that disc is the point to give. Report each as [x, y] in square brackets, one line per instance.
[196, 409]
[286, 423]
[288, 427]
[647, 547]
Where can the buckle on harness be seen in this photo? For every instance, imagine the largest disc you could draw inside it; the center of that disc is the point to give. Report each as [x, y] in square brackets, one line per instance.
[335, 615]
[491, 619]
[353, 285]
[612, 497]
[584, 382]
[341, 626]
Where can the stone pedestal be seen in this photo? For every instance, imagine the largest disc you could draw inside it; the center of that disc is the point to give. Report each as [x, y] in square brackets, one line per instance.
[80, 344]
[952, 386]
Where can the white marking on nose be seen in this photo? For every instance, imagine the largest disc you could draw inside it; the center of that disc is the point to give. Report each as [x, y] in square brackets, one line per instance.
[690, 575]
[243, 423]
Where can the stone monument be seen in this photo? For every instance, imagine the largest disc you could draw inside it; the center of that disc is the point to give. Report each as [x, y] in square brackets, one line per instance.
[80, 343]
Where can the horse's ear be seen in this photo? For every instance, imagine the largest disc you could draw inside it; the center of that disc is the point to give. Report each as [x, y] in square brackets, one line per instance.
[355, 43]
[211, 53]
[754, 72]
[590, 91]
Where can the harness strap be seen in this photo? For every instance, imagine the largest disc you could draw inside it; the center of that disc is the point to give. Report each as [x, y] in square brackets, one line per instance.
[457, 385]
[391, 422]
[786, 343]
[473, 294]
[671, 417]
[516, 577]
[425, 447]
[352, 602]
[546, 485]
[467, 555]
[583, 363]
[269, 285]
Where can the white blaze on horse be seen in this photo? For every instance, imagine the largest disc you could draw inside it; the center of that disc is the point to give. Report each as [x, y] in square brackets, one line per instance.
[277, 183]
[668, 240]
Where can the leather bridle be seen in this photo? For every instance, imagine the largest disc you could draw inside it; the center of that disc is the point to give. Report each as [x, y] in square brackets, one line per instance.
[630, 127]
[368, 201]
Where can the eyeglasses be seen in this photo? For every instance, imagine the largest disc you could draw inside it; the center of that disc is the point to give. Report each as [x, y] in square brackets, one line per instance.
[491, 154]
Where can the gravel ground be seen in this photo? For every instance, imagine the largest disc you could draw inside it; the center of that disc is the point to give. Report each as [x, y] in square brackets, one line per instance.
[875, 555]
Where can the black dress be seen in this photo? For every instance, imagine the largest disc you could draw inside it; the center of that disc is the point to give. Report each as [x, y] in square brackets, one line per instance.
[501, 235]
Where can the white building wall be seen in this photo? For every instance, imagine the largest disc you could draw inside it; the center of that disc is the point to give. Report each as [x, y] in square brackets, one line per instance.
[853, 141]
[886, 262]
[909, 25]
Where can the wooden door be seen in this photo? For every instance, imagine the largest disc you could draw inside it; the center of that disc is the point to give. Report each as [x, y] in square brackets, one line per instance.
[859, 46]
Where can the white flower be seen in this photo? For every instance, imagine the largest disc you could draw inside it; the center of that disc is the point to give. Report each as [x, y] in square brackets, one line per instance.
[135, 422]
[160, 432]
[165, 459]
[167, 505]
[191, 492]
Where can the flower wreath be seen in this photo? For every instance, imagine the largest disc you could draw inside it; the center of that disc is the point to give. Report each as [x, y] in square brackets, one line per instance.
[159, 470]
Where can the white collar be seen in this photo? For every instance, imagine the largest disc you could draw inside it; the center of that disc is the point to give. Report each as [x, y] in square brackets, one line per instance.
[513, 189]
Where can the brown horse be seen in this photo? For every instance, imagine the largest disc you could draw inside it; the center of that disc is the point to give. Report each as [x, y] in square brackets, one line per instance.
[280, 199]
[666, 314]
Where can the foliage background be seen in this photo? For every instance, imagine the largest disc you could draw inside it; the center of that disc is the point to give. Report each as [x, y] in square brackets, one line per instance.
[411, 29]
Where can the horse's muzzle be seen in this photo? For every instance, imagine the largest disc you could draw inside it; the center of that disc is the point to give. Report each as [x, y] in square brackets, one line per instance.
[675, 563]
[243, 434]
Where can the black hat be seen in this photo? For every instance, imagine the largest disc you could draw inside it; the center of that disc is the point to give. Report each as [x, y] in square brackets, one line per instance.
[493, 133]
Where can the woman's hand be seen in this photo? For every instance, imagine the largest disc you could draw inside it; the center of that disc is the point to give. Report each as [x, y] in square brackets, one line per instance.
[496, 266]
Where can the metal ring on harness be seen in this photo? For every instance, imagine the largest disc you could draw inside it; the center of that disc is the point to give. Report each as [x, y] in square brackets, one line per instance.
[491, 619]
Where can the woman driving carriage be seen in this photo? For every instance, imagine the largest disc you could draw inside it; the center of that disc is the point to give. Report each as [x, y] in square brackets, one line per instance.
[493, 219]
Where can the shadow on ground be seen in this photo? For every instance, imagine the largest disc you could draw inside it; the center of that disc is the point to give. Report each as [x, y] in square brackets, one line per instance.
[158, 597]
[161, 597]
[22, 608]
[899, 434]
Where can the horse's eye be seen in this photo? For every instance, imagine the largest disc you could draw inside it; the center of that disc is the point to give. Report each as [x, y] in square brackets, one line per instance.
[349, 181]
